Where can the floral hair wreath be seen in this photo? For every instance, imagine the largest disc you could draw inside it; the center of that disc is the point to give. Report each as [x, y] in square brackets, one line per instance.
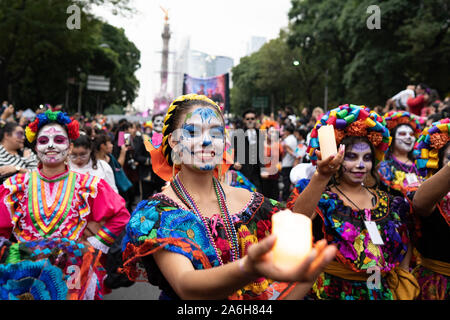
[353, 120]
[396, 118]
[72, 126]
[432, 139]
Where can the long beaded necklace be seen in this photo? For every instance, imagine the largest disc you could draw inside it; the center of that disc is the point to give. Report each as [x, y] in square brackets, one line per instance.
[188, 200]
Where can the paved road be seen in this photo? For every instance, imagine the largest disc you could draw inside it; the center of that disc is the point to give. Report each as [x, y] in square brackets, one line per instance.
[138, 291]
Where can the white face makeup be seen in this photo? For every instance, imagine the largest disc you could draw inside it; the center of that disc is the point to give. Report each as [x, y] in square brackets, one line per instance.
[404, 138]
[357, 163]
[158, 124]
[52, 144]
[201, 139]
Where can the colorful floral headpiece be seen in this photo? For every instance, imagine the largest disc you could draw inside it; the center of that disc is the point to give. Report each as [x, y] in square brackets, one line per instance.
[148, 124]
[395, 118]
[269, 124]
[72, 126]
[427, 147]
[353, 120]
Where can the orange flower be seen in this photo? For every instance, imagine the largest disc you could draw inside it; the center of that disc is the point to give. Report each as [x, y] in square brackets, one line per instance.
[438, 140]
[375, 138]
[357, 128]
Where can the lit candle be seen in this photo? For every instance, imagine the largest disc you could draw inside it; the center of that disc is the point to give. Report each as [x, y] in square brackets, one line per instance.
[294, 238]
[327, 141]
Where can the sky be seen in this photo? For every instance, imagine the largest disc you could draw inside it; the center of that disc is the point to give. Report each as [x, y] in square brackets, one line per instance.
[217, 27]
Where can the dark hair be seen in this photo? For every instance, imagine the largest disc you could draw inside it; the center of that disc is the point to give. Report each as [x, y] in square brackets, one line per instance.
[248, 111]
[441, 154]
[392, 146]
[8, 128]
[289, 128]
[302, 132]
[100, 139]
[86, 142]
[350, 141]
[424, 87]
[158, 115]
[173, 118]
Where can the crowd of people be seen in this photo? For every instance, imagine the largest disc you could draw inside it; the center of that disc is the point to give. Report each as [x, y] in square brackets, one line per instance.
[185, 201]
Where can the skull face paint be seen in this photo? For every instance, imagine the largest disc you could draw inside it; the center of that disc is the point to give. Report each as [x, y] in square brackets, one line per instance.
[357, 163]
[201, 139]
[404, 138]
[52, 145]
[158, 124]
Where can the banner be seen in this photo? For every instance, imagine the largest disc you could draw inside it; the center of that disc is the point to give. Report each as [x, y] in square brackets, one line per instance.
[215, 88]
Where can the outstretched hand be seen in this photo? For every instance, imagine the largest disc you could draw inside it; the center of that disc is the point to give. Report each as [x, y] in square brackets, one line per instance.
[259, 261]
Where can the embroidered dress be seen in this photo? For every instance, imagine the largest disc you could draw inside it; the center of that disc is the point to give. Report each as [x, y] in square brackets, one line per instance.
[394, 174]
[345, 227]
[161, 223]
[240, 181]
[40, 211]
[433, 269]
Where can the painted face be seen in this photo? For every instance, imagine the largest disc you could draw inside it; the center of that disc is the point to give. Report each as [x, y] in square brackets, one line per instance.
[158, 124]
[404, 138]
[446, 158]
[201, 139]
[52, 144]
[357, 163]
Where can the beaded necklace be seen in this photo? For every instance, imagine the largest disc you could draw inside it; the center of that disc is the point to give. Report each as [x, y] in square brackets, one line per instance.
[188, 200]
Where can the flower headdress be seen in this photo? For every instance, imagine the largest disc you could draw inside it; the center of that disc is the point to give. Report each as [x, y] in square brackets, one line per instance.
[353, 120]
[160, 154]
[269, 124]
[396, 118]
[427, 147]
[72, 126]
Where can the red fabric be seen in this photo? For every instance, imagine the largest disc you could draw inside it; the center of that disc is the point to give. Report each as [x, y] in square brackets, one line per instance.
[416, 104]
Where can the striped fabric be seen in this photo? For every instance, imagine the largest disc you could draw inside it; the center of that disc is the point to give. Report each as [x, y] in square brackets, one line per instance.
[7, 159]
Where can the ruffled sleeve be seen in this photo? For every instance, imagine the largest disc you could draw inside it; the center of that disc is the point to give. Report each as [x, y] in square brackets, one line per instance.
[109, 207]
[12, 196]
[156, 224]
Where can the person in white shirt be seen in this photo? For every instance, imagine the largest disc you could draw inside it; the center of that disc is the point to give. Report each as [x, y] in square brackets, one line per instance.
[82, 160]
[289, 145]
[399, 101]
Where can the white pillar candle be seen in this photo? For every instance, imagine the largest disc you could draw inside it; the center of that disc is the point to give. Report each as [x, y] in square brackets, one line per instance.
[327, 141]
[294, 238]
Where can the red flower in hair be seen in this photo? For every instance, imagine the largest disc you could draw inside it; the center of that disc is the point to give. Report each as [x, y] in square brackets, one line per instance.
[73, 130]
[34, 125]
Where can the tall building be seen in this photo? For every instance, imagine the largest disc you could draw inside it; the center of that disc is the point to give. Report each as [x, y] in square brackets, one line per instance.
[197, 64]
[255, 43]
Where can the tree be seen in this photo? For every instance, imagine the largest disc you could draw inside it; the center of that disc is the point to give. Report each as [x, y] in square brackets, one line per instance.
[39, 53]
[367, 66]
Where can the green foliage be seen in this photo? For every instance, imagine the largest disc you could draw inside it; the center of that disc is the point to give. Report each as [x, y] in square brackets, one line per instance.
[38, 53]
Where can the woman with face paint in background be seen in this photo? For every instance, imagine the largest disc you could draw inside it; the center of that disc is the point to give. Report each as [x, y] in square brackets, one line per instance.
[368, 225]
[199, 238]
[398, 172]
[431, 204]
[60, 222]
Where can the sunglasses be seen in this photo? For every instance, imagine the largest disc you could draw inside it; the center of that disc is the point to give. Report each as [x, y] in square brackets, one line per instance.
[249, 119]
[81, 156]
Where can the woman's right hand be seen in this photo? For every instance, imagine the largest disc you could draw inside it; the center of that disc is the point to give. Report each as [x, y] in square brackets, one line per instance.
[259, 262]
[330, 165]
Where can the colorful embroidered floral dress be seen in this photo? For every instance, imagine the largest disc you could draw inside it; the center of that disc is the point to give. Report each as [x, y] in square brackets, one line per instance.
[40, 212]
[161, 222]
[433, 272]
[399, 176]
[345, 227]
[240, 181]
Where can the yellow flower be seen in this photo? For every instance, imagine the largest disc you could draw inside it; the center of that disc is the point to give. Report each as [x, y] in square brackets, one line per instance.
[30, 134]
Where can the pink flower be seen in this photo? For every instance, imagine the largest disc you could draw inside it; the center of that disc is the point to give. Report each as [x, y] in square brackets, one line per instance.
[224, 247]
[350, 232]
[347, 250]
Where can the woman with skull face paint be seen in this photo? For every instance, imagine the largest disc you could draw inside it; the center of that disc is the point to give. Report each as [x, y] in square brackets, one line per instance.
[431, 204]
[368, 225]
[62, 220]
[199, 238]
[398, 172]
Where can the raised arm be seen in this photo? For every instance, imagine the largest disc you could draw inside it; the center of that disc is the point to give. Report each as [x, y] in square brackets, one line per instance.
[221, 282]
[432, 191]
[307, 201]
